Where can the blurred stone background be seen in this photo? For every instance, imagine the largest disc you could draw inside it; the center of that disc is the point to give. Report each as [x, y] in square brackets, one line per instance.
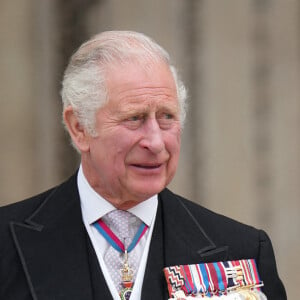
[241, 63]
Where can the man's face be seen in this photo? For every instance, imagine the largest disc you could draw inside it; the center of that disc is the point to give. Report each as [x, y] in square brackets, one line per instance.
[135, 153]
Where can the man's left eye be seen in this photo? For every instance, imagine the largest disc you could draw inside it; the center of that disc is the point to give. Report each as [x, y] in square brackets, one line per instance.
[166, 120]
[168, 116]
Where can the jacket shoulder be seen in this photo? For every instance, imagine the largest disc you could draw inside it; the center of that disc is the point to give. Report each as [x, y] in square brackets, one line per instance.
[19, 211]
[223, 228]
[197, 209]
[23, 208]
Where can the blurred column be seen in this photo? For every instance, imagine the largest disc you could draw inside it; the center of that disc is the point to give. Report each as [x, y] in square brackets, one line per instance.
[47, 108]
[17, 133]
[61, 30]
[226, 94]
[285, 95]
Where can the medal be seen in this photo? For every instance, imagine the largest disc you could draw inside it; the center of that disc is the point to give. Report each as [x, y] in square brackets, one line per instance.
[127, 278]
[125, 294]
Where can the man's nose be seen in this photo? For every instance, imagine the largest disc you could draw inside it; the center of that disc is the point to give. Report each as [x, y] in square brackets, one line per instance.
[152, 138]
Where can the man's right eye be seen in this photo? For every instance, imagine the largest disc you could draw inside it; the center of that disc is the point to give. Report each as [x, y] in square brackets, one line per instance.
[134, 118]
[134, 122]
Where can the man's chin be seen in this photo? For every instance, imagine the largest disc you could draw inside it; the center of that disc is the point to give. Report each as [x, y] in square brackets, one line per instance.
[146, 191]
[134, 199]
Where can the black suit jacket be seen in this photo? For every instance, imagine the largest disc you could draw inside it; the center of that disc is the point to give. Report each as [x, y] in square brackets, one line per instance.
[46, 254]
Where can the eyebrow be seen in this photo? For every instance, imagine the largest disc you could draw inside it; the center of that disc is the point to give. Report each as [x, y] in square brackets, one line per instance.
[135, 108]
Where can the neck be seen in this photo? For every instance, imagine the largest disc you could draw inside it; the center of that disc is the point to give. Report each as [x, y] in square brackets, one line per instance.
[122, 200]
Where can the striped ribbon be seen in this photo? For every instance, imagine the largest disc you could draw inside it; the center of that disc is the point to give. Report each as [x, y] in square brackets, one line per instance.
[114, 241]
[213, 279]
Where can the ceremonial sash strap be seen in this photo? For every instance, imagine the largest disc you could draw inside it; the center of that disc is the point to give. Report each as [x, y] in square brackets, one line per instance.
[213, 279]
[114, 241]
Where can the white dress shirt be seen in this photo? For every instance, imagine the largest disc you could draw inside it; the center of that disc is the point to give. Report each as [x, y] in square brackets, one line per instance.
[94, 207]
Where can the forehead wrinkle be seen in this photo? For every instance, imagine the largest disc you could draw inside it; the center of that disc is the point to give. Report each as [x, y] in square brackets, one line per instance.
[146, 92]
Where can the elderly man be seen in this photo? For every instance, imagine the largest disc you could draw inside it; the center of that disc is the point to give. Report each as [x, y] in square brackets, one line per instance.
[110, 230]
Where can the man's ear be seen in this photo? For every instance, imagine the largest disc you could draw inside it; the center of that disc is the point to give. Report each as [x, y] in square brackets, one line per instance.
[77, 132]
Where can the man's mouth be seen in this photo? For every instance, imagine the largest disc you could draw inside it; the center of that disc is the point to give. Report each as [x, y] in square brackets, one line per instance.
[150, 167]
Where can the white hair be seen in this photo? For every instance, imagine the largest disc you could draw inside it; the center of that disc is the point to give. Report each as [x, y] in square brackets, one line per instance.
[84, 82]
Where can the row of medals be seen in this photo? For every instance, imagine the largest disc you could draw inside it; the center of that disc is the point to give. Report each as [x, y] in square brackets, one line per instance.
[239, 294]
[245, 292]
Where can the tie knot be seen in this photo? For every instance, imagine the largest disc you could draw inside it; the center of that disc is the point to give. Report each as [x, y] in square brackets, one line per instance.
[123, 223]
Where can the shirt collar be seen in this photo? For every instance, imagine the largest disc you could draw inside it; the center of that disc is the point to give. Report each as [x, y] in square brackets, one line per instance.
[95, 206]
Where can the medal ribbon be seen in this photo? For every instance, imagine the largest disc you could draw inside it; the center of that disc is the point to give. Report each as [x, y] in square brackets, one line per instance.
[213, 279]
[114, 241]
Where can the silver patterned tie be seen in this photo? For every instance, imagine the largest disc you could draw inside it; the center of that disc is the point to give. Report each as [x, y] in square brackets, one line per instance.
[124, 225]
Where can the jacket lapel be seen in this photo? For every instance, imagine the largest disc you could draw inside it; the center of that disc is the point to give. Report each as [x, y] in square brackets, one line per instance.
[51, 244]
[178, 238]
[186, 241]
